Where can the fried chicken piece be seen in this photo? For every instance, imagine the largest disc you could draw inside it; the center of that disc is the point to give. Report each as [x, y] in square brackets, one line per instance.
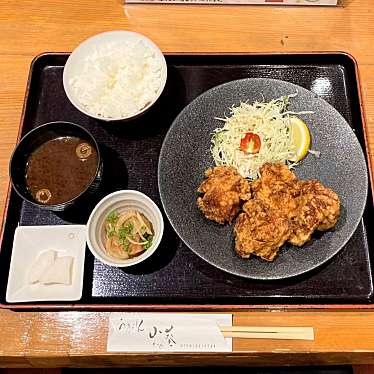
[276, 174]
[282, 208]
[318, 209]
[224, 190]
[278, 187]
[260, 231]
[305, 205]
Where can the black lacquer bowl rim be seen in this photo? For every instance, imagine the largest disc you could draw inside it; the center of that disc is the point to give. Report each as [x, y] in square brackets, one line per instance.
[45, 127]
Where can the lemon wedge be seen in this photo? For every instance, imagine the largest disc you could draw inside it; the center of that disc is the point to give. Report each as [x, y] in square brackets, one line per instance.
[300, 136]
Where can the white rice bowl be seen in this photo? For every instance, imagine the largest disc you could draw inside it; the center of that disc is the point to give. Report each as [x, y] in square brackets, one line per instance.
[115, 75]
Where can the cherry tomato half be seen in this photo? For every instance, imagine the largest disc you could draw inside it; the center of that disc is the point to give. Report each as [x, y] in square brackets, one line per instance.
[251, 143]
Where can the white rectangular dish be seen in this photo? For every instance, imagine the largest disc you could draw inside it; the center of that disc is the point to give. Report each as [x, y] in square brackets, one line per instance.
[29, 242]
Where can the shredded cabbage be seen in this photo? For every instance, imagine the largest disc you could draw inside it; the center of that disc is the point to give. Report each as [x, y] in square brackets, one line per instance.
[271, 121]
[315, 153]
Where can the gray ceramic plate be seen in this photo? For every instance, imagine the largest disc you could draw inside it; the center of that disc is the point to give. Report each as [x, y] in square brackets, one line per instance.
[185, 155]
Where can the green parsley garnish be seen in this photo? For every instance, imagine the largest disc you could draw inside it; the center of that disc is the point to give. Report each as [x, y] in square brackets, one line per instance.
[112, 217]
[111, 232]
[126, 246]
[129, 232]
[149, 242]
[124, 232]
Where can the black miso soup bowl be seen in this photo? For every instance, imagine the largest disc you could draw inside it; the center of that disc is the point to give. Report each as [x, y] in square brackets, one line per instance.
[34, 139]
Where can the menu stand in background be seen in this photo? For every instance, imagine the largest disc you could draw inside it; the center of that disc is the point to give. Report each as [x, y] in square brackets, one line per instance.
[243, 2]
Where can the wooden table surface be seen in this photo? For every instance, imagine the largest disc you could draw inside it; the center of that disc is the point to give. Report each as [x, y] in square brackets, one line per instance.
[29, 27]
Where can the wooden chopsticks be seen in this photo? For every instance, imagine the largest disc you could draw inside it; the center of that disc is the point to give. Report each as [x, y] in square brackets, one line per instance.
[252, 332]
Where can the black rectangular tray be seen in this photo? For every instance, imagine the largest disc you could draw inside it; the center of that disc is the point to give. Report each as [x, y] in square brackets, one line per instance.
[174, 276]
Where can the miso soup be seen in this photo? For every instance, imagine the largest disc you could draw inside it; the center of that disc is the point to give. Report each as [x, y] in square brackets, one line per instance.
[60, 169]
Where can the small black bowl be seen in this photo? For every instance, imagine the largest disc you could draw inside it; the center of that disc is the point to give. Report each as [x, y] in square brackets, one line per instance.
[34, 139]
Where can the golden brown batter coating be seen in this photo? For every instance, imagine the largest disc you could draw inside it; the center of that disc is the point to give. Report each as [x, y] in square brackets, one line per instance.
[278, 208]
[260, 231]
[318, 209]
[305, 205]
[224, 190]
[278, 187]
